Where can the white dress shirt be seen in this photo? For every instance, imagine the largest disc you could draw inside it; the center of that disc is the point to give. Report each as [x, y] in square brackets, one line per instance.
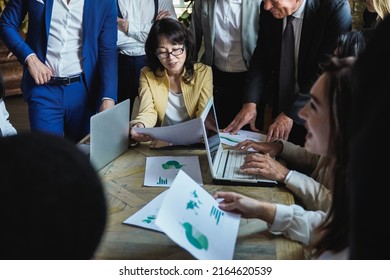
[227, 50]
[65, 38]
[139, 14]
[297, 27]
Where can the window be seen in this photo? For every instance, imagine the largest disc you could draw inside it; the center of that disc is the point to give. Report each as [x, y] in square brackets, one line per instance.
[179, 3]
[180, 6]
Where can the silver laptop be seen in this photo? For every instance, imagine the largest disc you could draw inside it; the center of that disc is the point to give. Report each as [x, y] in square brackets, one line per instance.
[109, 134]
[225, 163]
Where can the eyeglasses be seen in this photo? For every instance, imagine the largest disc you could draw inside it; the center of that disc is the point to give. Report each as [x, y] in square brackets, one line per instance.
[174, 52]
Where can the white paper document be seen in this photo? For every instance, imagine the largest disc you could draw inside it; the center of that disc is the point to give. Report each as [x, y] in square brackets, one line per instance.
[234, 139]
[147, 215]
[185, 133]
[190, 216]
[160, 171]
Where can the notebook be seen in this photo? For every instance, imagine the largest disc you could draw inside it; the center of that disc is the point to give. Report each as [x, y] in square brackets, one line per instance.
[109, 135]
[225, 163]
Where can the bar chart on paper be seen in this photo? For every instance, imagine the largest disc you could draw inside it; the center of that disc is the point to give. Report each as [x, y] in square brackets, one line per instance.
[217, 214]
[162, 181]
[160, 171]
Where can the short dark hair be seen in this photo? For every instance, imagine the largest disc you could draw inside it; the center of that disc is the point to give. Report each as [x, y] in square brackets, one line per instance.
[52, 204]
[352, 43]
[177, 33]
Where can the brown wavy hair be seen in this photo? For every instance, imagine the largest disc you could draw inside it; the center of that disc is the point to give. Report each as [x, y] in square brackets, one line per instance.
[333, 231]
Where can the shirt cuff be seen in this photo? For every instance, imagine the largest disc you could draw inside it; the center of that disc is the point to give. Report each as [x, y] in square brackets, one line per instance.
[25, 61]
[289, 174]
[283, 218]
[107, 98]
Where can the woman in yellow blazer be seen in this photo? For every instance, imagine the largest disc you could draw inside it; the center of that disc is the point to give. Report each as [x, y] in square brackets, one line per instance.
[173, 87]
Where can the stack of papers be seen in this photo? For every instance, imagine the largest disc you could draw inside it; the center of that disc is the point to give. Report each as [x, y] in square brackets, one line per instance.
[190, 216]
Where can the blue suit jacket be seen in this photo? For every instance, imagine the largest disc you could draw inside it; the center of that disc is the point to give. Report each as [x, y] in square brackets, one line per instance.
[99, 50]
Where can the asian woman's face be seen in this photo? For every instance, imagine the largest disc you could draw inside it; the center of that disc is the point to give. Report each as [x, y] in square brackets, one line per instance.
[172, 57]
[316, 116]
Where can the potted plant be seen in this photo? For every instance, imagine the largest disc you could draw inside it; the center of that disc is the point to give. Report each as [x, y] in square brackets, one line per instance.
[185, 17]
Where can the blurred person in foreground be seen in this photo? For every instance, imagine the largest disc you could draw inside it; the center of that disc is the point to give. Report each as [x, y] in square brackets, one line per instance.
[369, 115]
[52, 201]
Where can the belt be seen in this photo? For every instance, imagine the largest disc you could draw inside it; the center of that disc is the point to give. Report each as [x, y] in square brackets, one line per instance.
[64, 81]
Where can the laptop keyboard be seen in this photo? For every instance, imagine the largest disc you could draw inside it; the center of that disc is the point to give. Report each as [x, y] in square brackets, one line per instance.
[232, 169]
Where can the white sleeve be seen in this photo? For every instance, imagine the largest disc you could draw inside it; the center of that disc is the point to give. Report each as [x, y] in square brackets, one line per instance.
[167, 5]
[6, 127]
[313, 195]
[296, 223]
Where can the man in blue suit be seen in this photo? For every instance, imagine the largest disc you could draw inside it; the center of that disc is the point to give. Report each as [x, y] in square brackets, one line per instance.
[316, 25]
[69, 58]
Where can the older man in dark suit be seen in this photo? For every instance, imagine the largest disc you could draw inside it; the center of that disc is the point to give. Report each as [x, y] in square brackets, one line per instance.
[316, 26]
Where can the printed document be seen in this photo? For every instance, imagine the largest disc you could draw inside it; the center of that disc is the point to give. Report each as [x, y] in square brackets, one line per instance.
[146, 216]
[160, 171]
[185, 133]
[190, 216]
[233, 139]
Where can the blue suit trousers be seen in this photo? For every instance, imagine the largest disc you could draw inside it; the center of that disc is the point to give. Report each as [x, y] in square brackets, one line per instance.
[60, 110]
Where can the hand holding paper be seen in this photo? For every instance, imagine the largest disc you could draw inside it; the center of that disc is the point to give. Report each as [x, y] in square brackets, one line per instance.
[233, 139]
[190, 216]
[185, 133]
[139, 136]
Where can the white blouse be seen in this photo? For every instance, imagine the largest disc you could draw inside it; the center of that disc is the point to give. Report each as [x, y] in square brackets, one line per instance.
[176, 111]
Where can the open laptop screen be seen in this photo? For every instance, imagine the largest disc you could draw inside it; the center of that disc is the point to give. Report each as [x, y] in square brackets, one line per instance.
[109, 135]
[225, 163]
[211, 127]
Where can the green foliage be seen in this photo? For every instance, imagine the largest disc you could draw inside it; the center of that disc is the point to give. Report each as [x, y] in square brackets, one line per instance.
[185, 17]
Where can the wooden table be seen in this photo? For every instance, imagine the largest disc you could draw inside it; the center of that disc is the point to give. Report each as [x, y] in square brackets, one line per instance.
[123, 181]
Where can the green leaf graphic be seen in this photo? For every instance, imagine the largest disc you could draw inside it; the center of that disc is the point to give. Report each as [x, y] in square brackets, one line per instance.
[172, 164]
[195, 237]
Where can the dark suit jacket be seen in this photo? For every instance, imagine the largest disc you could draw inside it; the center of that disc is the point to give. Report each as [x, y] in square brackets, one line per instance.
[99, 50]
[323, 21]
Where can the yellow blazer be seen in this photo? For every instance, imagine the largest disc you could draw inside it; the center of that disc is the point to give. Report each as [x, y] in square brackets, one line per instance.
[153, 94]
